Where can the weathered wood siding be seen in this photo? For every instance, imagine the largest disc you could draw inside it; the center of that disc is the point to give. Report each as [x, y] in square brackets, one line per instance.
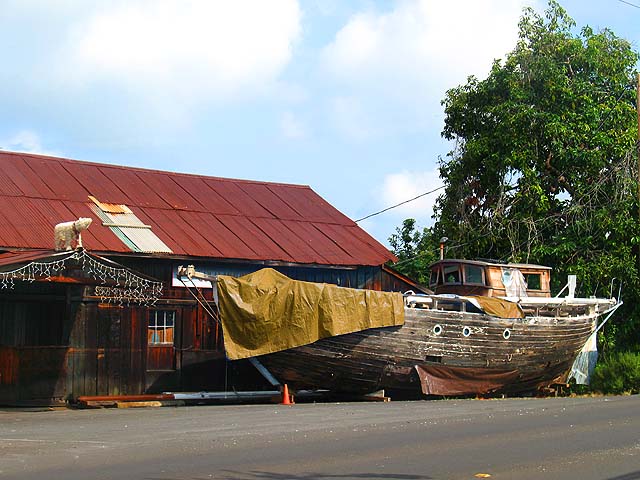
[34, 334]
[58, 342]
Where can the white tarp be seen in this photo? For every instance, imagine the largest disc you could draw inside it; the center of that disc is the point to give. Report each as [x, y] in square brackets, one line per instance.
[514, 282]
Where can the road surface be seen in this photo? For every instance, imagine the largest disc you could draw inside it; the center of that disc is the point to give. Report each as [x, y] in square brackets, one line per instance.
[568, 438]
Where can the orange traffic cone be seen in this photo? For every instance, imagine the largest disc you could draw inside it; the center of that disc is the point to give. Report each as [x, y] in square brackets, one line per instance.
[286, 398]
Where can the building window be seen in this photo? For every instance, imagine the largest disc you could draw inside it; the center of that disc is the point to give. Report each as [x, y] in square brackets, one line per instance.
[161, 327]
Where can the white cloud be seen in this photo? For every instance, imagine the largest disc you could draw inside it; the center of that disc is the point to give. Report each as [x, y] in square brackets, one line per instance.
[26, 141]
[412, 54]
[440, 42]
[291, 126]
[404, 185]
[190, 50]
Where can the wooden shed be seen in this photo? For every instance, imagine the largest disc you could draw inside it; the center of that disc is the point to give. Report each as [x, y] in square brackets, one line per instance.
[114, 318]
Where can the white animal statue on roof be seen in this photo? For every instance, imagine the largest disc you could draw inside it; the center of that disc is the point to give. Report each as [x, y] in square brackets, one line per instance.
[67, 233]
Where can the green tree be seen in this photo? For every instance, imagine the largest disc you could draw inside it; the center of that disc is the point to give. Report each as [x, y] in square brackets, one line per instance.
[415, 250]
[543, 165]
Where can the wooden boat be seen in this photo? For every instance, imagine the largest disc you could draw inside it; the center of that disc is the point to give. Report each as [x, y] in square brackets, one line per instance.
[487, 328]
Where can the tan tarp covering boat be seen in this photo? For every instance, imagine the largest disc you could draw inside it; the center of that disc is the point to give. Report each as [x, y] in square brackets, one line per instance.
[266, 312]
[499, 308]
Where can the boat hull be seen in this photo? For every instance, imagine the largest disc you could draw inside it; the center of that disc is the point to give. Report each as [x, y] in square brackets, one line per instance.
[440, 353]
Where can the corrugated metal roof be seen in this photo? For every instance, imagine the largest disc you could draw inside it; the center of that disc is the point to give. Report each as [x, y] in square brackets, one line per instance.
[12, 259]
[191, 215]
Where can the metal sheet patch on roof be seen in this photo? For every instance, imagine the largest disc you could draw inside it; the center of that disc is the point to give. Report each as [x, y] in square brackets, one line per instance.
[128, 227]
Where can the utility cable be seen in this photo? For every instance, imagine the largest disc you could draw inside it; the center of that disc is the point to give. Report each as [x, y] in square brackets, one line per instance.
[436, 250]
[443, 186]
[401, 203]
[629, 3]
[200, 298]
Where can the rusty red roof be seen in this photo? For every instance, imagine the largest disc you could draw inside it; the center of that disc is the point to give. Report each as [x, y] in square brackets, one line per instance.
[12, 259]
[193, 215]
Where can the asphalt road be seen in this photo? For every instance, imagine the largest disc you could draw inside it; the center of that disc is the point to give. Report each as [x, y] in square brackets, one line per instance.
[556, 438]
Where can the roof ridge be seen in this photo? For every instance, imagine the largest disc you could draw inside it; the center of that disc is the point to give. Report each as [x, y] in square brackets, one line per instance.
[148, 170]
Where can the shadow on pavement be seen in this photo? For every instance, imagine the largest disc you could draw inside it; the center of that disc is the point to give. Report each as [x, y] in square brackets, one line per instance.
[325, 476]
[627, 476]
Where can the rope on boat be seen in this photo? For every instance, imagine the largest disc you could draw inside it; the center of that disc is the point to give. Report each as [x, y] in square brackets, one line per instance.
[200, 298]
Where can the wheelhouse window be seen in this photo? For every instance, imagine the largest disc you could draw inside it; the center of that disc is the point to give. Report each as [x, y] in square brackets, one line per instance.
[161, 327]
[533, 280]
[435, 277]
[473, 274]
[451, 274]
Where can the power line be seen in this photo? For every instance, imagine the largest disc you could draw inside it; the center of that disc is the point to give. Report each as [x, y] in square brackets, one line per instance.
[443, 186]
[401, 203]
[437, 249]
[629, 3]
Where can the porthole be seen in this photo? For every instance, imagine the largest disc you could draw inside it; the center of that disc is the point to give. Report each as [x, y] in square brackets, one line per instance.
[437, 330]
[506, 334]
[466, 331]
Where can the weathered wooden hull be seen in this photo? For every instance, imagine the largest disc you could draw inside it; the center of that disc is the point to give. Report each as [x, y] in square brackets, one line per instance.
[472, 353]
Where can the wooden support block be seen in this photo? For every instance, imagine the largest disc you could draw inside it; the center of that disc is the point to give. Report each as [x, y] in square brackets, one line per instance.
[376, 397]
[138, 404]
[96, 404]
[152, 403]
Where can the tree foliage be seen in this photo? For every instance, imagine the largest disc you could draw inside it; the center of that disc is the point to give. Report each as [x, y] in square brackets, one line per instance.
[414, 249]
[618, 373]
[543, 168]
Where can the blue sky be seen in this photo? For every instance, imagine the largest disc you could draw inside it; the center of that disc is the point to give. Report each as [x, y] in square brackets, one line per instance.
[340, 95]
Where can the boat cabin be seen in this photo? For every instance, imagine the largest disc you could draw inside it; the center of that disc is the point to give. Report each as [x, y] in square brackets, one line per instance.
[490, 279]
